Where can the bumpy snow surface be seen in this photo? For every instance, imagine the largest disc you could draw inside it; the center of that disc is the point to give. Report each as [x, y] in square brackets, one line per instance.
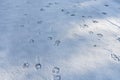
[59, 39]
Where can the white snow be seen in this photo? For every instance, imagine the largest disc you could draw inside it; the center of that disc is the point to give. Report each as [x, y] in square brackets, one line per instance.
[81, 38]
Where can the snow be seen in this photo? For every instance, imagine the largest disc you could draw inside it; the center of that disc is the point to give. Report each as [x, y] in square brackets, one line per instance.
[59, 39]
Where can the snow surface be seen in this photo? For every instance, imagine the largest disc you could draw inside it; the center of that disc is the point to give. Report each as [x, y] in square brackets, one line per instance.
[59, 39]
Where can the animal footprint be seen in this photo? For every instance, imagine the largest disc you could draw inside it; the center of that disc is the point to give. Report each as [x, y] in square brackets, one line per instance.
[56, 70]
[94, 21]
[94, 45]
[83, 16]
[104, 13]
[32, 41]
[26, 65]
[50, 38]
[115, 57]
[39, 22]
[100, 35]
[85, 25]
[91, 32]
[106, 5]
[25, 14]
[57, 42]
[62, 10]
[72, 15]
[56, 3]
[57, 77]
[118, 39]
[50, 3]
[38, 66]
[42, 9]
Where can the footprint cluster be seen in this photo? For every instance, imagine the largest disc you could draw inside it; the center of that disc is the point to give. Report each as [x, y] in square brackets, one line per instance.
[56, 42]
[56, 73]
[115, 57]
[37, 65]
[48, 6]
[68, 12]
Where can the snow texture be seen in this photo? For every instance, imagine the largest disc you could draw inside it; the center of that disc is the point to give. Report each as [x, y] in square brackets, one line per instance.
[59, 39]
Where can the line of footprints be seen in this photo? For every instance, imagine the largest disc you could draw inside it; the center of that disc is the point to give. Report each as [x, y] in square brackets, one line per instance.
[115, 57]
[55, 70]
[37, 66]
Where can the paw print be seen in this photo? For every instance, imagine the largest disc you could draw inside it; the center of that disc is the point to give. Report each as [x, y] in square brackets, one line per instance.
[26, 65]
[38, 66]
[85, 25]
[56, 70]
[50, 3]
[56, 3]
[83, 16]
[91, 32]
[57, 77]
[56, 73]
[100, 35]
[94, 21]
[115, 57]
[106, 5]
[72, 15]
[62, 10]
[32, 41]
[50, 38]
[39, 22]
[94, 45]
[104, 13]
[42, 9]
[57, 42]
[118, 39]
